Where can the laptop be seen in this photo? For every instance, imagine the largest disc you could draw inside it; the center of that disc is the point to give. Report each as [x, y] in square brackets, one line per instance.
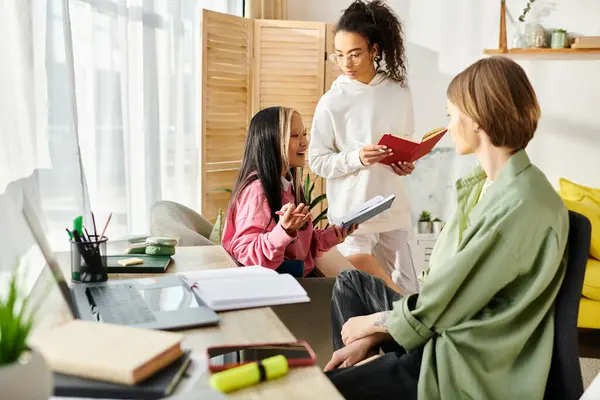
[164, 302]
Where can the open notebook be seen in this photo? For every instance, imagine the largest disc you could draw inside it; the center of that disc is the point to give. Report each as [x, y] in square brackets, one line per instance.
[244, 287]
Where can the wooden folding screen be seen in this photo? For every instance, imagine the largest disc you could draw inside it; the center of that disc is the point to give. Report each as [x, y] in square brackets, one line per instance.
[248, 65]
[332, 71]
[288, 70]
[226, 104]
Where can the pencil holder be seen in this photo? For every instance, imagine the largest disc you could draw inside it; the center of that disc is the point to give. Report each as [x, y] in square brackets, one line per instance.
[88, 260]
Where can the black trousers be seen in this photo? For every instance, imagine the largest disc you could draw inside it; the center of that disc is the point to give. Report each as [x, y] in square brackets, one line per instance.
[394, 375]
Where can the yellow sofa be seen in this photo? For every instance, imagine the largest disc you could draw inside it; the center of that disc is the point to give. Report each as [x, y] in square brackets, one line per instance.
[586, 201]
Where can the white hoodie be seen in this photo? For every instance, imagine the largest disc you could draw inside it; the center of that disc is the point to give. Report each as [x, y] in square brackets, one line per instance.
[353, 111]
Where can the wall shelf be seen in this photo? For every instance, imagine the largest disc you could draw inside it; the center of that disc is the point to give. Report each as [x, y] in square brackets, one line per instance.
[570, 53]
[548, 54]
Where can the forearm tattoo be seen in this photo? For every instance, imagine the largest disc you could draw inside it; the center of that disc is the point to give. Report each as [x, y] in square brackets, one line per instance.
[382, 320]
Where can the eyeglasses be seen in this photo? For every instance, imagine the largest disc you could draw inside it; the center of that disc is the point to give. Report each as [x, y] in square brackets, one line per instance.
[353, 59]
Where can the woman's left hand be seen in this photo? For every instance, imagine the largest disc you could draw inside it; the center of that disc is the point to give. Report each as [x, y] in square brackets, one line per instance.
[343, 233]
[403, 168]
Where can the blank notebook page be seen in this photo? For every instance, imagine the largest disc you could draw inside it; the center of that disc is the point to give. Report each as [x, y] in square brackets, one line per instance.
[257, 291]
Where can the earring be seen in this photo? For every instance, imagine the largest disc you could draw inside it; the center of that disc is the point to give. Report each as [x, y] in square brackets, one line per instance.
[476, 129]
[376, 59]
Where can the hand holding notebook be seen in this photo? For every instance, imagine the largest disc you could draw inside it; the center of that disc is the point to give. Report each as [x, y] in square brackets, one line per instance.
[368, 210]
[407, 150]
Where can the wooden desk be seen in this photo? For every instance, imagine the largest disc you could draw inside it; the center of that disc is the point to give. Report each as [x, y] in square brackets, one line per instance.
[244, 326]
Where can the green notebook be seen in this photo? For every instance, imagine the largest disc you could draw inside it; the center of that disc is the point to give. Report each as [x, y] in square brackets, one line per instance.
[152, 264]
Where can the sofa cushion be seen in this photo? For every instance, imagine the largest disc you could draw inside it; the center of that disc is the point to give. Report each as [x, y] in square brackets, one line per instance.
[568, 189]
[591, 282]
[589, 314]
[586, 206]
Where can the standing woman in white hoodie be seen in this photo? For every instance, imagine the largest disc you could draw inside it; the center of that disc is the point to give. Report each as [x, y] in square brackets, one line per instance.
[370, 99]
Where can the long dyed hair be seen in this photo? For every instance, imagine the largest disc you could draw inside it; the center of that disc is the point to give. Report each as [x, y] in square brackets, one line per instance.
[266, 157]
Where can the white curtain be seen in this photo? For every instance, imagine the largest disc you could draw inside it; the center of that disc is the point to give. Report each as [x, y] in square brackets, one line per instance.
[135, 79]
[135, 72]
[37, 158]
[136, 76]
[23, 123]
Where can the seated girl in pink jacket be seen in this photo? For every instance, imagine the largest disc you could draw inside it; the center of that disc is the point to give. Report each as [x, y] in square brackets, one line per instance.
[268, 182]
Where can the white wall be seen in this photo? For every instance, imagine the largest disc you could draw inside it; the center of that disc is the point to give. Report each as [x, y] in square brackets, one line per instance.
[446, 36]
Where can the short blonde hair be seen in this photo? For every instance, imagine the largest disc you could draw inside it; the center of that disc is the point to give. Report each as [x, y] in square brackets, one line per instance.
[496, 93]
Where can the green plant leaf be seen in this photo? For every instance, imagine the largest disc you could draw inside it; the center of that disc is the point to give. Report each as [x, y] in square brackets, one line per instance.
[317, 200]
[320, 217]
[310, 192]
[306, 189]
[16, 320]
[425, 216]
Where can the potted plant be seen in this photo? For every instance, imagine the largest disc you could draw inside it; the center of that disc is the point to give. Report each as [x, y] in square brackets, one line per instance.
[560, 39]
[425, 225]
[24, 373]
[437, 225]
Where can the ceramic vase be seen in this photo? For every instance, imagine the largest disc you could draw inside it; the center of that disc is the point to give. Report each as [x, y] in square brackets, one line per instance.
[29, 378]
[520, 37]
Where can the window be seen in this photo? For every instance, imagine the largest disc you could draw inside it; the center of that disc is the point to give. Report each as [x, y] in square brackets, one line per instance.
[136, 75]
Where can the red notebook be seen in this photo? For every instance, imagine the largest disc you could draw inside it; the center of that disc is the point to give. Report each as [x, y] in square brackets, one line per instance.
[407, 150]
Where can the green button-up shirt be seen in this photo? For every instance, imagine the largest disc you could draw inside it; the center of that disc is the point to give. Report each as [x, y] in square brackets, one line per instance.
[485, 311]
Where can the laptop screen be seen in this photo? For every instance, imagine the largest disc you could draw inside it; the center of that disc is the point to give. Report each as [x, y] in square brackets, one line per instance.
[40, 237]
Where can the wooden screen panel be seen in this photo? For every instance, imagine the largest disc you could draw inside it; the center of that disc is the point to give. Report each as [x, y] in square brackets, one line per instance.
[332, 70]
[288, 64]
[288, 59]
[226, 104]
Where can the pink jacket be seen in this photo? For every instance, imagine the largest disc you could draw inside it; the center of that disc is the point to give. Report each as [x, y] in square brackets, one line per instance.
[252, 237]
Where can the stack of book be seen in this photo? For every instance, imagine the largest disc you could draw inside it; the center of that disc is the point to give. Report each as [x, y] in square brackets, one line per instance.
[586, 42]
[95, 360]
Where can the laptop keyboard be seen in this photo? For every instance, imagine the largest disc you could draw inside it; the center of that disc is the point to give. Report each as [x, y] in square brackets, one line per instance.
[120, 304]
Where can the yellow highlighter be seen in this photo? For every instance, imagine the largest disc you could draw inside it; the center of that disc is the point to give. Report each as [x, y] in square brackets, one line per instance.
[249, 374]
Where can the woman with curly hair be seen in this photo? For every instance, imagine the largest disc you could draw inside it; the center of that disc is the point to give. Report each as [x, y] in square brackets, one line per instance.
[371, 98]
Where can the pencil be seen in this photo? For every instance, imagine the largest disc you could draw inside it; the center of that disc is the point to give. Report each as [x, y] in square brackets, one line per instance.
[94, 222]
[105, 226]
[295, 215]
[87, 234]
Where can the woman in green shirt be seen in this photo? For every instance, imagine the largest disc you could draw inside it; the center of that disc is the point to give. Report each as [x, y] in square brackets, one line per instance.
[482, 326]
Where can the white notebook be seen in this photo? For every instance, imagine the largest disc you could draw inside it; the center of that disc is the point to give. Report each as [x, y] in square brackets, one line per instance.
[244, 287]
